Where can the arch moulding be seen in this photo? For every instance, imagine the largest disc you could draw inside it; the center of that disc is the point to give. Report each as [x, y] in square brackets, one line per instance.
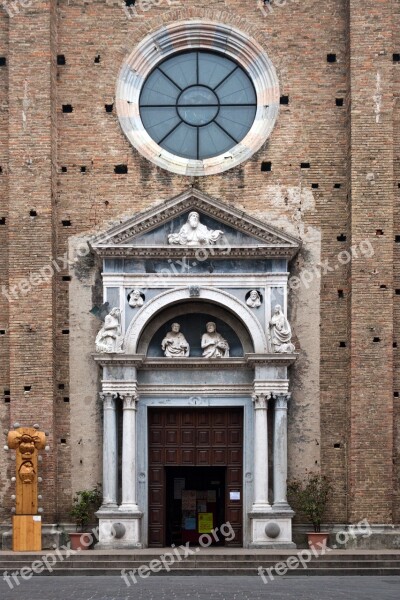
[208, 294]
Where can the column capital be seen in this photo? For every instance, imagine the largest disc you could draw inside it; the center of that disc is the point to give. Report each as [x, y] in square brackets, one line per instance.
[281, 400]
[129, 401]
[260, 400]
[108, 400]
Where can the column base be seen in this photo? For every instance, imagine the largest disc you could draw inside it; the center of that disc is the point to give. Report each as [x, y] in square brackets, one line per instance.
[271, 529]
[120, 529]
[129, 508]
[261, 508]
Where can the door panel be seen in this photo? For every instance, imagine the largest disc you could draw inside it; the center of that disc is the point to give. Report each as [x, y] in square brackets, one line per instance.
[194, 437]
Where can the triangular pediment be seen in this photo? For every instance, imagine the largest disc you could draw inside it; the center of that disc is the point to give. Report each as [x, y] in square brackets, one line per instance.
[161, 231]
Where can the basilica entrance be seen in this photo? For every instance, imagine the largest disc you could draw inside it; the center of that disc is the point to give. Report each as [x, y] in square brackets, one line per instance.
[195, 473]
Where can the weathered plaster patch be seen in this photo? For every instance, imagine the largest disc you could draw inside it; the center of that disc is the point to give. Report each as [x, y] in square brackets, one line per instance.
[86, 414]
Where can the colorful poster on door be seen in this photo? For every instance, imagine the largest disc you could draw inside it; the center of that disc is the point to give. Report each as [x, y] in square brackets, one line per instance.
[205, 522]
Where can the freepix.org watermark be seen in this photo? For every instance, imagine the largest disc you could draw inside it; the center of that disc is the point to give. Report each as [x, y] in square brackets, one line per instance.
[47, 562]
[301, 559]
[177, 554]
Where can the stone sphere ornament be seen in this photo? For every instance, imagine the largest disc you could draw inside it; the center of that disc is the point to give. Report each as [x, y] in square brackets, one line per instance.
[272, 530]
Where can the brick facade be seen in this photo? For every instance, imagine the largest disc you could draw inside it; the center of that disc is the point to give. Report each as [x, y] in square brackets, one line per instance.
[335, 142]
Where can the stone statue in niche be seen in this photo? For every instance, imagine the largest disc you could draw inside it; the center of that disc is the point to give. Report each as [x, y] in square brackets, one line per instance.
[194, 233]
[254, 299]
[109, 339]
[135, 299]
[174, 344]
[280, 332]
[213, 344]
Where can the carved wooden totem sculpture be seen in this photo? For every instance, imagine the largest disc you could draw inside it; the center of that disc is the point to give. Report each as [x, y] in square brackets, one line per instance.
[26, 441]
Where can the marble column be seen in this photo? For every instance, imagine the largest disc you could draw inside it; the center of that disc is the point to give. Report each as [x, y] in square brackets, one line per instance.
[280, 451]
[261, 503]
[129, 502]
[110, 451]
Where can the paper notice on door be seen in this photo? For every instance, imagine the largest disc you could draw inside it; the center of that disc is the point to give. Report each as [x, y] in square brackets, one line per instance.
[205, 522]
[234, 495]
[188, 499]
[179, 485]
[212, 496]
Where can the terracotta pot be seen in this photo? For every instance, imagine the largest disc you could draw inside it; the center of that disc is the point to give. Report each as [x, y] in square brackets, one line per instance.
[317, 540]
[80, 541]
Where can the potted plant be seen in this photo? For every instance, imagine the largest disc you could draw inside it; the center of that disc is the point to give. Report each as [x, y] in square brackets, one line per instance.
[85, 504]
[311, 497]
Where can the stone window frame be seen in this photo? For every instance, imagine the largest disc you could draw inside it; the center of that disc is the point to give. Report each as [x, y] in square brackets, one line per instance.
[189, 35]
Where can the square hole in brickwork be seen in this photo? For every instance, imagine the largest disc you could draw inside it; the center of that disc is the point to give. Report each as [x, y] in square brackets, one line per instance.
[376, 340]
[315, 186]
[67, 108]
[97, 59]
[63, 441]
[342, 344]
[340, 293]
[27, 388]
[7, 400]
[61, 59]
[284, 100]
[331, 58]
[341, 238]
[2, 220]
[109, 107]
[121, 169]
[379, 232]
[2, 332]
[337, 445]
[66, 399]
[3, 61]
[266, 166]
[66, 277]
[66, 223]
[64, 169]
[83, 169]
[1, 170]
[397, 292]
[396, 394]
[130, 2]
[397, 239]
[339, 101]
[336, 186]
[383, 286]
[32, 213]
[396, 57]
[304, 165]
[61, 386]
[394, 344]
[65, 331]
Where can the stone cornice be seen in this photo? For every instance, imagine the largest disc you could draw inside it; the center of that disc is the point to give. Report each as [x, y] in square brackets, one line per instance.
[275, 359]
[141, 361]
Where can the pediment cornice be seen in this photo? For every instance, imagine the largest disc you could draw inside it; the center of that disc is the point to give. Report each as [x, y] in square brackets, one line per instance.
[270, 241]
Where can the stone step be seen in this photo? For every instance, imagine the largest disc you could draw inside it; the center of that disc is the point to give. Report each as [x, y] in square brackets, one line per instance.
[342, 570]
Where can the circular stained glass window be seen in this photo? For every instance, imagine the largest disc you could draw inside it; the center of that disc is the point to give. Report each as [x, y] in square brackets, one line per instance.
[198, 105]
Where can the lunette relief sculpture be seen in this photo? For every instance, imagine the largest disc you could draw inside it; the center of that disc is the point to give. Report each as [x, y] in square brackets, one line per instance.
[213, 344]
[109, 339]
[254, 299]
[136, 299]
[280, 332]
[175, 344]
[194, 233]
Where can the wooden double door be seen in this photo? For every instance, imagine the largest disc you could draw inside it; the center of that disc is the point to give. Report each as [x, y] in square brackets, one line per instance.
[208, 442]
